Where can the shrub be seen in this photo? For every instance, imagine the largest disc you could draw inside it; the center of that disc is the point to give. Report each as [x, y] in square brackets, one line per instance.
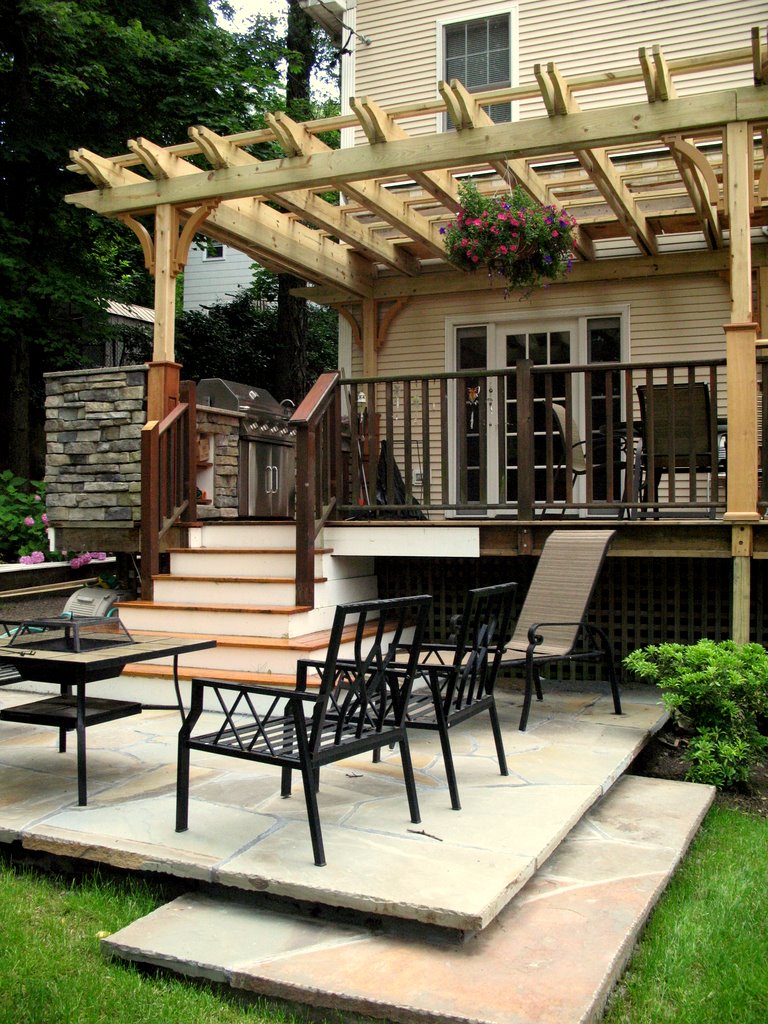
[718, 692]
[23, 524]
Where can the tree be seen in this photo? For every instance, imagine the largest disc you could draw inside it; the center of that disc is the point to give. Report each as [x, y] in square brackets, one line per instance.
[307, 47]
[92, 74]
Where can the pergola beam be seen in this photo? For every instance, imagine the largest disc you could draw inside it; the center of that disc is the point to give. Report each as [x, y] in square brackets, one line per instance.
[629, 124]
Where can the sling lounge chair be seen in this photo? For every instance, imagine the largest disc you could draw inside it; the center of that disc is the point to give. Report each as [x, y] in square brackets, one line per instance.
[551, 626]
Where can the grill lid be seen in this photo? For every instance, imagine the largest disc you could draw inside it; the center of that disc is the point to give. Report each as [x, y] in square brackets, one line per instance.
[227, 394]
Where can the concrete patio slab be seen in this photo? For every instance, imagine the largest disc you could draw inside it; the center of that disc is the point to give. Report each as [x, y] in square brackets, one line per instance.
[244, 836]
[550, 957]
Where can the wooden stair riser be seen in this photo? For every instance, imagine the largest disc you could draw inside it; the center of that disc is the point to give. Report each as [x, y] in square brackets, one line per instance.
[226, 621]
[244, 535]
[271, 564]
[248, 593]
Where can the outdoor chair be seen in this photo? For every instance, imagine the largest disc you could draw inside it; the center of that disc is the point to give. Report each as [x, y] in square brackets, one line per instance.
[678, 436]
[572, 454]
[359, 706]
[551, 626]
[455, 680]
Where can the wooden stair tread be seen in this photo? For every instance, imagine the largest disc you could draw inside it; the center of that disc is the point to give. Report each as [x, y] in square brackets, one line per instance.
[145, 670]
[233, 579]
[305, 642]
[247, 609]
[243, 551]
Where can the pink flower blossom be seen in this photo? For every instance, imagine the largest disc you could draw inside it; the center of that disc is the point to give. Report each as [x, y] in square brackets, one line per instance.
[38, 498]
[29, 521]
[44, 518]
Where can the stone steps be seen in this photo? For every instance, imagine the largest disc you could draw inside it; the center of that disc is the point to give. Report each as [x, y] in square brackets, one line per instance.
[551, 956]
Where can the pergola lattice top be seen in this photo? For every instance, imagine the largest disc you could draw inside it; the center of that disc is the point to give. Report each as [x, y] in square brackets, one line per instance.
[641, 178]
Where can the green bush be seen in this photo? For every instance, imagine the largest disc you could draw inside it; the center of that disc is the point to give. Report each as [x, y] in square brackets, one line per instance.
[718, 693]
[22, 517]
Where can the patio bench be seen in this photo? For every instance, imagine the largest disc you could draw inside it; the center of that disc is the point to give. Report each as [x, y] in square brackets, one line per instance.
[359, 706]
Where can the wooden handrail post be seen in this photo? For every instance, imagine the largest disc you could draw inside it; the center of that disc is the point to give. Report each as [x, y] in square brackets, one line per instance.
[150, 499]
[189, 396]
[308, 420]
[525, 455]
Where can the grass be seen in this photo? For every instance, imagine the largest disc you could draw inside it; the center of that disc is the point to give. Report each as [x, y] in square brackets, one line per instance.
[703, 958]
[53, 972]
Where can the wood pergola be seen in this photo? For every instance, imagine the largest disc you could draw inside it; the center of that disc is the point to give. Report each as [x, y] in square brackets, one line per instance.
[690, 168]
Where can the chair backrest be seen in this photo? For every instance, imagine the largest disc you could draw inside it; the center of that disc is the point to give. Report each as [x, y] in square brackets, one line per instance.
[358, 694]
[677, 425]
[562, 586]
[483, 630]
[578, 459]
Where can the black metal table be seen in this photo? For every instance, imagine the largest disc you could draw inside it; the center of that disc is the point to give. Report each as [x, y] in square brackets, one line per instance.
[57, 661]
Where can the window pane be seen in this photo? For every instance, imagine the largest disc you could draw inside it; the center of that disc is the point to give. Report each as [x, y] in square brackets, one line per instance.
[455, 41]
[515, 348]
[472, 347]
[560, 347]
[604, 339]
[477, 70]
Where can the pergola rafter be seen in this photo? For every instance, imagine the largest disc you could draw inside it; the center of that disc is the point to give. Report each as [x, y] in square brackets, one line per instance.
[633, 174]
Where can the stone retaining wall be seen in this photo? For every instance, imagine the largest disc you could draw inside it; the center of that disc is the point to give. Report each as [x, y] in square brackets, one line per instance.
[93, 446]
[219, 430]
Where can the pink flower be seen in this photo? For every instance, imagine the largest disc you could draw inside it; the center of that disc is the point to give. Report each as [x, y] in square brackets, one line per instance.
[44, 518]
[37, 557]
[38, 498]
[29, 521]
[555, 234]
[475, 259]
[26, 560]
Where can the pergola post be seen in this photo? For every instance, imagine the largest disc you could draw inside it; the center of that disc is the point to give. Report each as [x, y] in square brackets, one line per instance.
[164, 373]
[740, 335]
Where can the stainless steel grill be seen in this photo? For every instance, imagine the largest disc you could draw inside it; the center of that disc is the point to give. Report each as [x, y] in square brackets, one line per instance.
[266, 477]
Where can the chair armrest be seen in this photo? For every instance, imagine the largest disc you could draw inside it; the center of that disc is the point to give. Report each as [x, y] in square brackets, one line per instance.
[535, 638]
[257, 688]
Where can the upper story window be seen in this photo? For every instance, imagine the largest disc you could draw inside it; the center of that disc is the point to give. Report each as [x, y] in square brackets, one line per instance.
[213, 250]
[479, 54]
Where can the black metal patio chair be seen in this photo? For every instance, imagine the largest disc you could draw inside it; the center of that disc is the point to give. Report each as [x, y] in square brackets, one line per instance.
[359, 705]
[551, 626]
[456, 679]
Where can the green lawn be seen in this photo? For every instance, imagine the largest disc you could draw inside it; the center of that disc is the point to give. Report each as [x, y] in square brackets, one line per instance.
[703, 958]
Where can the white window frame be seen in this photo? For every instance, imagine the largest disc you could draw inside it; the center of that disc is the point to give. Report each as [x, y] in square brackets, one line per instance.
[490, 11]
[208, 258]
[496, 324]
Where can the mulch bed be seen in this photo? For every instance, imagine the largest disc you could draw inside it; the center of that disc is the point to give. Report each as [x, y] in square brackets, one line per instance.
[663, 758]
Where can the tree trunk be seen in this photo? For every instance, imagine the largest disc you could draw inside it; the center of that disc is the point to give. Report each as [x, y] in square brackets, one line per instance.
[292, 312]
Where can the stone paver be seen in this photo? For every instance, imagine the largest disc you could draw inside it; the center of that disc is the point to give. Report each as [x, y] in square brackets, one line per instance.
[243, 835]
[550, 957]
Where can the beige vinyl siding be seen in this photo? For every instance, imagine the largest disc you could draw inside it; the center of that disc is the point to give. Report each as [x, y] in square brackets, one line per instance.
[586, 36]
[670, 318]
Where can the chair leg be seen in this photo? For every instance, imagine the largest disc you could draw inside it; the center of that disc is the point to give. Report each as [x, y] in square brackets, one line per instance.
[532, 682]
[408, 777]
[285, 782]
[498, 739]
[182, 787]
[313, 813]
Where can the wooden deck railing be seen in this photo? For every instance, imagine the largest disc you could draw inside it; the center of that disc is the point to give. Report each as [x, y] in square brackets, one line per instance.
[611, 439]
[168, 494]
[319, 481]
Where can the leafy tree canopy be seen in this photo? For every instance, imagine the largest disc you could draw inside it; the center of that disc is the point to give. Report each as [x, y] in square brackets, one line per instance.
[92, 74]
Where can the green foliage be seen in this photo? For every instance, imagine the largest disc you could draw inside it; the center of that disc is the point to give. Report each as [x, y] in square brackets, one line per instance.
[240, 340]
[513, 237]
[698, 959]
[719, 691]
[22, 523]
[93, 74]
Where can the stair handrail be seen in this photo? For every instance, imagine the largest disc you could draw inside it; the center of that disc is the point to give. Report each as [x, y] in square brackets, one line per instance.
[168, 480]
[317, 421]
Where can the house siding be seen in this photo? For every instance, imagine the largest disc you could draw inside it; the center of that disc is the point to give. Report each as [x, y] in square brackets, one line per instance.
[592, 36]
[209, 282]
[687, 312]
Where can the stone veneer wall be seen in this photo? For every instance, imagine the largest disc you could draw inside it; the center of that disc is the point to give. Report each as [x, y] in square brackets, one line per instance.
[217, 473]
[93, 446]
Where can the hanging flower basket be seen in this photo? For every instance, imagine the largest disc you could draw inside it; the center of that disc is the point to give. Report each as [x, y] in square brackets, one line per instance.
[511, 236]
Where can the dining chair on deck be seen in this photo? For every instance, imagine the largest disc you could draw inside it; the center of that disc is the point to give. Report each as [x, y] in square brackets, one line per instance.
[455, 680]
[679, 436]
[359, 706]
[551, 626]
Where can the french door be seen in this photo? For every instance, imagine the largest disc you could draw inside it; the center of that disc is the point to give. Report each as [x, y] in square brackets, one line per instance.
[487, 405]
